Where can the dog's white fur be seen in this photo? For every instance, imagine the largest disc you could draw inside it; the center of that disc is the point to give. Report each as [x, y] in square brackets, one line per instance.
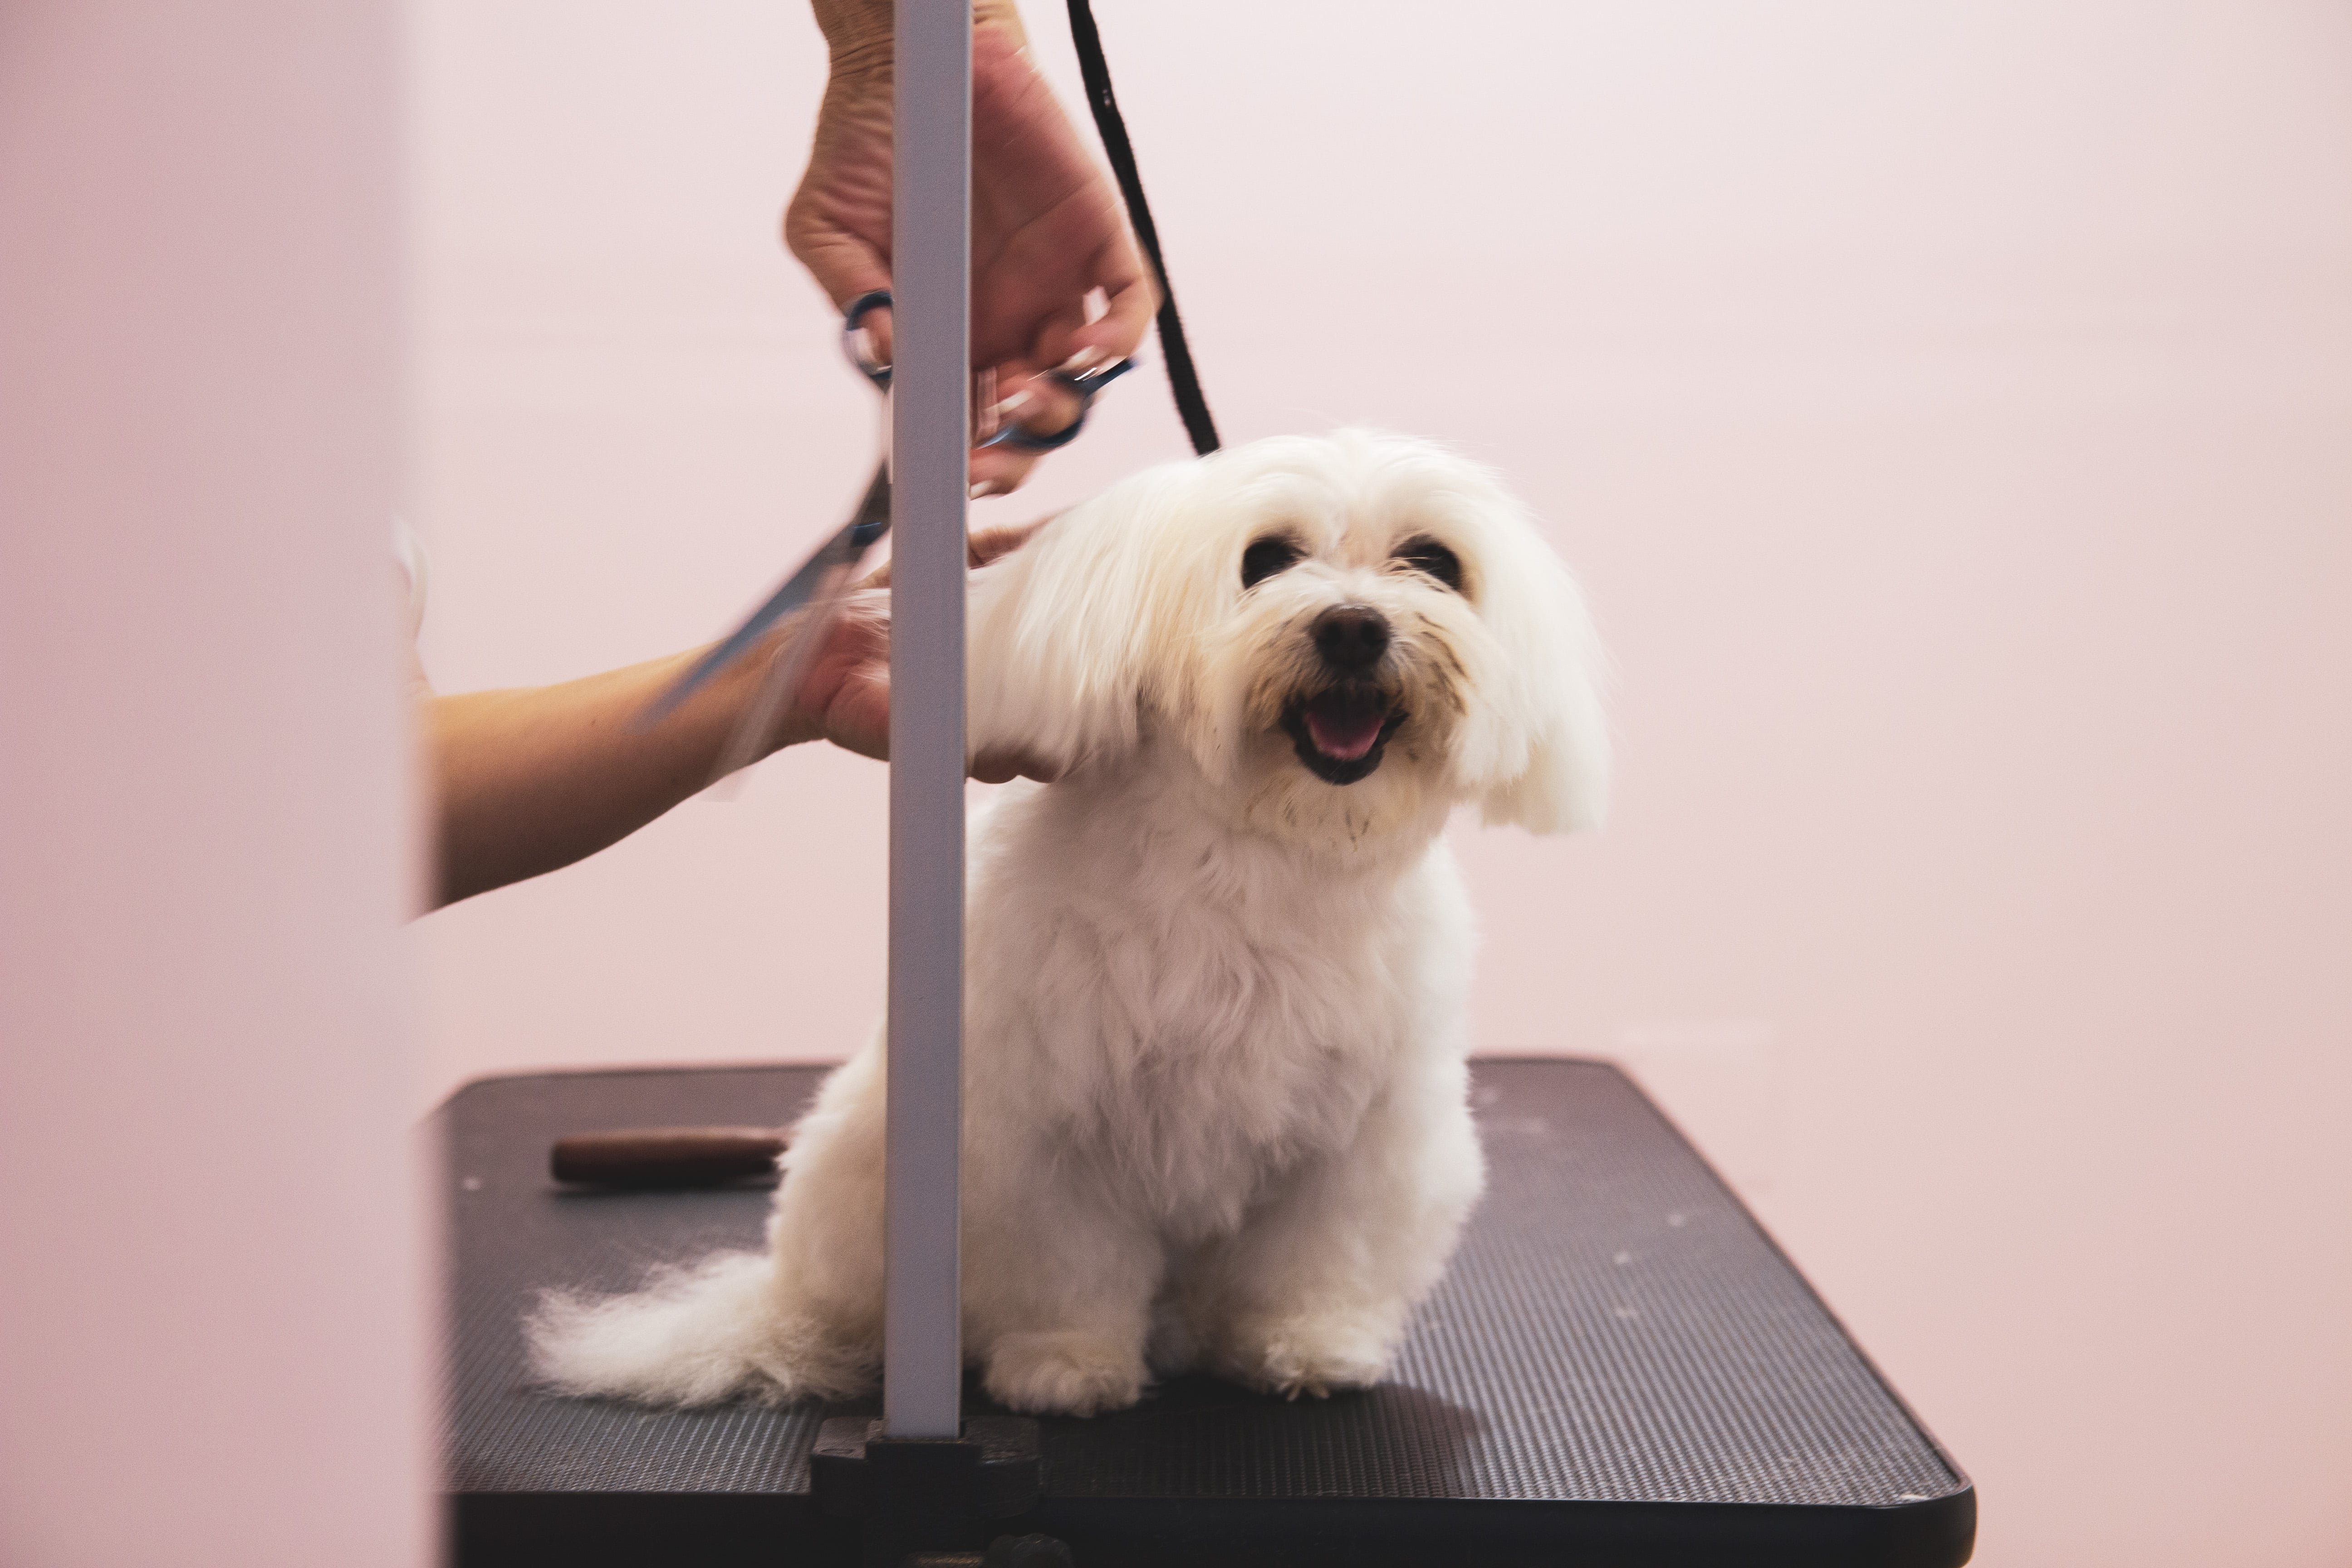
[1216, 1102]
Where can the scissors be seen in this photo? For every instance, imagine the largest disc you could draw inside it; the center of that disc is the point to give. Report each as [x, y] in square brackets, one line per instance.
[821, 583]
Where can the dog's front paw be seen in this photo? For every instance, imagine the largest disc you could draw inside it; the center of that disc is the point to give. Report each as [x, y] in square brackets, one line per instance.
[1064, 1373]
[1318, 1356]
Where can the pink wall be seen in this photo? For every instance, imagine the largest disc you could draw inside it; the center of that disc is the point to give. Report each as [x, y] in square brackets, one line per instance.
[210, 1290]
[1946, 407]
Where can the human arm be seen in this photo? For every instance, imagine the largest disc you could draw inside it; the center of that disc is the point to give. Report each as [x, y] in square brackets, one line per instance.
[531, 779]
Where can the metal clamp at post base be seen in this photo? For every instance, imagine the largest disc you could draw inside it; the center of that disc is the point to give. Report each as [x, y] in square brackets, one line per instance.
[929, 1502]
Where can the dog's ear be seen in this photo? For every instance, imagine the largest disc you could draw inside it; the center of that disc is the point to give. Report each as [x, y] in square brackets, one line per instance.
[1546, 750]
[1061, 633]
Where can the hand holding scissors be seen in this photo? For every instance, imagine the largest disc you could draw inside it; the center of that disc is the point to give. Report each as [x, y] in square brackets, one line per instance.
[819, 586]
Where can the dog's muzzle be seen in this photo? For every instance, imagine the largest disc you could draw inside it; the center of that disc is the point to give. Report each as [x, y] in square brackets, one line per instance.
[1339, 731]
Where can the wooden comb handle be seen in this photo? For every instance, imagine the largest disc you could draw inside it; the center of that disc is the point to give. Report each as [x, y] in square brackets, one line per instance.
[665, 1156]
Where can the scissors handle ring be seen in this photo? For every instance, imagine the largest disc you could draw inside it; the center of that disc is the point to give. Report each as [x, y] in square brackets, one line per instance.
[1085, 384]
[853, 322]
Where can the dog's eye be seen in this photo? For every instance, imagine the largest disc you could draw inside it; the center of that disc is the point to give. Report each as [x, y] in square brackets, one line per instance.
[1428, 556]
[1266, 558]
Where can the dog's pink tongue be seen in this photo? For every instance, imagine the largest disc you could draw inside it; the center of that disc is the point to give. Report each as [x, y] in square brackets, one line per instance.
[1345, 731]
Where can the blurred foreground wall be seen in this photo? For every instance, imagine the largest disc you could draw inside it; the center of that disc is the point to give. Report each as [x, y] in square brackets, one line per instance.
[210, 1284]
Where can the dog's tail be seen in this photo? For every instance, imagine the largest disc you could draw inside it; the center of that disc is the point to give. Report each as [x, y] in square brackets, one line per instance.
[692, 1336]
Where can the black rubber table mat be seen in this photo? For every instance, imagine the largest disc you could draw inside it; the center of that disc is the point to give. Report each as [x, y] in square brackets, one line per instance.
[1618, 1368]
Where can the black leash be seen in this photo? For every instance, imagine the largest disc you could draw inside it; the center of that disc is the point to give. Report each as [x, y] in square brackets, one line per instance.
[1184, 381]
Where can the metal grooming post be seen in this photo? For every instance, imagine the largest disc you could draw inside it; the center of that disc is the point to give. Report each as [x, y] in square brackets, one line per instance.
[930, 386]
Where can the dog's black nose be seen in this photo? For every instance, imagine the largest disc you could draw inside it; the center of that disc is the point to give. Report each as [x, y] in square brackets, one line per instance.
[1350, 637]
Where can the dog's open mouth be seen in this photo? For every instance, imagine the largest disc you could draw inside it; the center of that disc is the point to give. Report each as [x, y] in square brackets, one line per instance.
[1339, 733]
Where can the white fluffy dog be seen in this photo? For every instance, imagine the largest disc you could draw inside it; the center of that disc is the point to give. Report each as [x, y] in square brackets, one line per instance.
[1216, 1102]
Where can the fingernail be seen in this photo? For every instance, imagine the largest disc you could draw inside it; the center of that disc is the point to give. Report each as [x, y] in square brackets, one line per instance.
[1082, 362]
[985, 489]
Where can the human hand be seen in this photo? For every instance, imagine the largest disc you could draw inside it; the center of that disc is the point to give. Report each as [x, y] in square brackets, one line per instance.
[1048, 226]
[525, 781]
[844, 695]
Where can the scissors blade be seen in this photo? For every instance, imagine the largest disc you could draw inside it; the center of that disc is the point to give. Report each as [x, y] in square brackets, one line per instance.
[843, 549]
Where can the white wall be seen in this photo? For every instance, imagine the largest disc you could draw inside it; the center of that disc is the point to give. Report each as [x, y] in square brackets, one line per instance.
[211, 1297]
[1945, 406]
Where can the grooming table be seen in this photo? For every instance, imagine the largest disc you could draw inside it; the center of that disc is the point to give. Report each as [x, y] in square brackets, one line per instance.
[1620, 1368]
